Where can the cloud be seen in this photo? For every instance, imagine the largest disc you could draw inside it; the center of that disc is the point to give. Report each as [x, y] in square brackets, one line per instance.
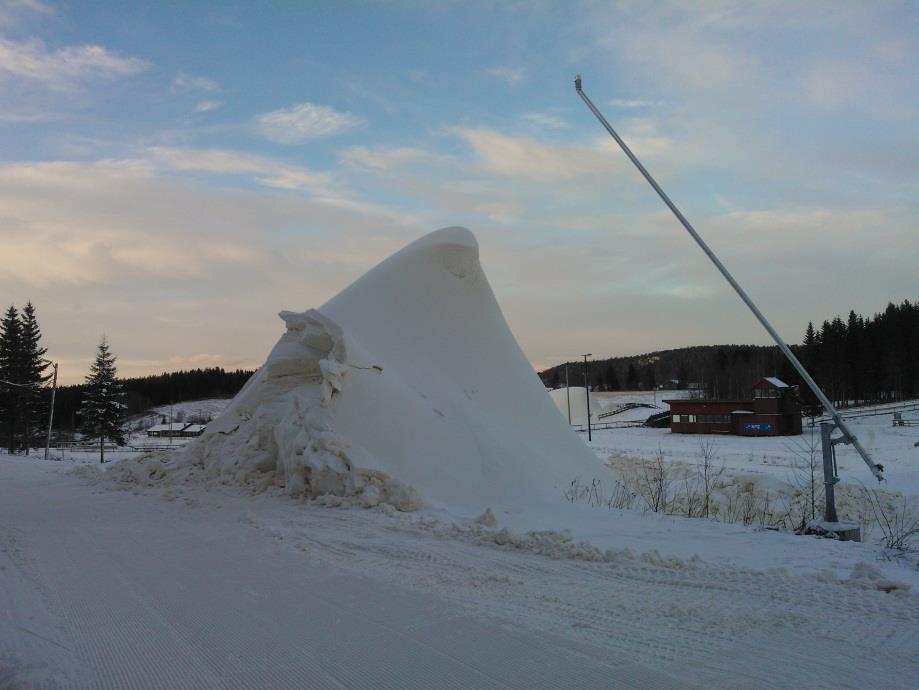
[510, 75]
[546, 120]
[383, 160]
[208, 106]
[12, 10]
[304, 122]
[833, 83]
[634, 103]
[191, 83]
[266, 171]
[527, 158]
[33, 61]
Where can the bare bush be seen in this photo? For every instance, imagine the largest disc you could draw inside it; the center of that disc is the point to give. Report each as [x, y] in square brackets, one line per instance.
[806, 479]
[622, 497]
[653, 482]
[897, 518]
[576, 491]
[708, 473]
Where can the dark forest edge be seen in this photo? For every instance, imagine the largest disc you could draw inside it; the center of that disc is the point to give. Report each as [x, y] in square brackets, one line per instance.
[142, 393]
[857, 360]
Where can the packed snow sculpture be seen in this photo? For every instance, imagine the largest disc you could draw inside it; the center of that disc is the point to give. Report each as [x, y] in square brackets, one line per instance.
[407, 383]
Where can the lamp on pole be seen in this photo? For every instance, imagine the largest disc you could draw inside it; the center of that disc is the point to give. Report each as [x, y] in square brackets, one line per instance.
[587, 393]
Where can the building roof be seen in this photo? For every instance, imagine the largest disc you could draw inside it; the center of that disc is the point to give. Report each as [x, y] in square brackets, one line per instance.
[715, 401]
[778, 383]
[742, 412]
[174, 426]
[195, 428]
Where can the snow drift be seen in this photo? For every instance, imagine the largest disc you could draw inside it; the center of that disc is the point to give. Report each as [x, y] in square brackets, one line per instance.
[407, 381]
[575, 398]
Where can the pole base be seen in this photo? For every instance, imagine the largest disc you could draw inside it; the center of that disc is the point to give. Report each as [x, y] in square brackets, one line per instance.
[843, 531]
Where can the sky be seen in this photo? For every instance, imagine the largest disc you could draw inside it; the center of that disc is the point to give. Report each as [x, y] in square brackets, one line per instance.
[172, 175]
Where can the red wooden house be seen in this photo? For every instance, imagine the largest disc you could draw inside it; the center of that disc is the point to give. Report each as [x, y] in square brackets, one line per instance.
[774, 411]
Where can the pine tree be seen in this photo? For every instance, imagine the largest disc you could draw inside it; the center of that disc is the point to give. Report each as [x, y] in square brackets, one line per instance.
[648, 379]
[612, 381]
[102, 407]
[33, 373]
[11, 384]
[631, 378]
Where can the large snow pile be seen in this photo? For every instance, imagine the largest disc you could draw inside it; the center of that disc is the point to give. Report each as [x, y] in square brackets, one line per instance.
[407, 381]
[574, 399]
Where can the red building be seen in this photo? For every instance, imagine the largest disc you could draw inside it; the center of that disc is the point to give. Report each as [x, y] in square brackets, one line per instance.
[774, 411]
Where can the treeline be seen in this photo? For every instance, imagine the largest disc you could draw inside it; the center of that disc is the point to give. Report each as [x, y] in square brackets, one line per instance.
[145, 392]
[861, 359]
[866, 359]
[716, 371]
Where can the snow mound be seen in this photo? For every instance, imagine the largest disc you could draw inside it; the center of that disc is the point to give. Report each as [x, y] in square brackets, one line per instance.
[575, 398]
[409, 381]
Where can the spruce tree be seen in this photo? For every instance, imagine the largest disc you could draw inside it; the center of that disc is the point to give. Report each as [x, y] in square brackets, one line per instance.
[631, 378]
[102, 408]
[648, 378]
[11, 383]
[33, 374]
[612, 381]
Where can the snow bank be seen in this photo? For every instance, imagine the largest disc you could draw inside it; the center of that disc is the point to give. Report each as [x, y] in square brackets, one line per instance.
[407, 381]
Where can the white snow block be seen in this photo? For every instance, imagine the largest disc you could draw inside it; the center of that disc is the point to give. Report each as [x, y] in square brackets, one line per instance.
[408, 380]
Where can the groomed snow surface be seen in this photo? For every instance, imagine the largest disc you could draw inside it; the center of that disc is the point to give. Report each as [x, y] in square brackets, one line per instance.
[383, 505]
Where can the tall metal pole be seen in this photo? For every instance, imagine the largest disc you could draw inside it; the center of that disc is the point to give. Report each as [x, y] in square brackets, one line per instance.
[587, 393]
[876, 469]
[568, 393]
[829, 472]
[51, 411]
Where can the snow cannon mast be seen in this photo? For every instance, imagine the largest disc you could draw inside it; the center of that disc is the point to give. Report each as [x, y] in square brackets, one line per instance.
[847, 436]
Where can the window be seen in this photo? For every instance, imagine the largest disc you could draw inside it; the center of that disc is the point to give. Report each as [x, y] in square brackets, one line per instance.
[692, 419]
[765, 392]
[677, 418]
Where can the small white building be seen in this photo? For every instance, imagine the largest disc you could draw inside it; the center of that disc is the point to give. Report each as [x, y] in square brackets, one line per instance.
[176, 430]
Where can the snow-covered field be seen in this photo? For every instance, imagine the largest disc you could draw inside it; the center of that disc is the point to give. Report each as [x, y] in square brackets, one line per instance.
[394, 501]
[894, 447]
[188, 410]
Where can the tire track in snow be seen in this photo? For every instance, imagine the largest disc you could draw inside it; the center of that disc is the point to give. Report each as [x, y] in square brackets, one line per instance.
[698, 615]
[160, 594]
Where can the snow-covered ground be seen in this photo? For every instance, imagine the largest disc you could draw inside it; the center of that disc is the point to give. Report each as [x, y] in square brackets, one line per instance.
[187, 410]
[777, 456]
[164, 585]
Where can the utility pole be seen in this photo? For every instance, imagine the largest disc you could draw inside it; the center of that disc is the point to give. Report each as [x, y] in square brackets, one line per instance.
[568, 393]
[587, 393]
[51, 411]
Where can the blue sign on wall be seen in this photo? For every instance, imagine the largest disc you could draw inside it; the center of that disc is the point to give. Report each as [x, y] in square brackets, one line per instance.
[760, 427]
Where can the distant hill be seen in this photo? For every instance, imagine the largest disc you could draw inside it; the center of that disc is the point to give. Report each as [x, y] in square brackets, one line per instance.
[718, 370]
